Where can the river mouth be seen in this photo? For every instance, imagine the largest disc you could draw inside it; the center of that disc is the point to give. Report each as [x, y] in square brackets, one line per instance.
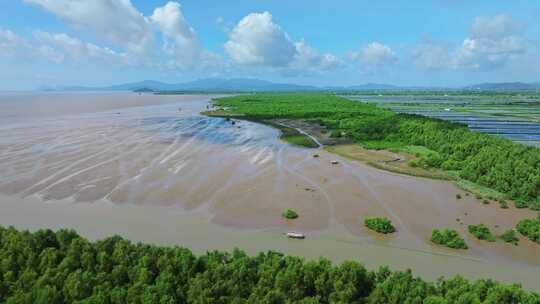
[153, 169]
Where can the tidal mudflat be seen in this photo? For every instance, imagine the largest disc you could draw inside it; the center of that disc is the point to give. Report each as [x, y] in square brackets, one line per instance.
[153, 169]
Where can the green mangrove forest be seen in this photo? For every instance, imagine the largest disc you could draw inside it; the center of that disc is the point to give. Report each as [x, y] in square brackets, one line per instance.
[62, 267]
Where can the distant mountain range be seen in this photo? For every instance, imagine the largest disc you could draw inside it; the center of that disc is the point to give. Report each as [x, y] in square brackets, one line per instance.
[505, 86]
[257, 85]
[210, 85]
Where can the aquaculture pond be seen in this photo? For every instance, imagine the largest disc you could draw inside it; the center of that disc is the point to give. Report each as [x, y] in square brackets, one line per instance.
[513, 116]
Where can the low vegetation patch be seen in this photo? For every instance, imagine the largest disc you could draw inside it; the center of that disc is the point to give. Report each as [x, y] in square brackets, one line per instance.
[290, 214]
[378, 159]
[520, 204]
[449, 238]
[481, 232]
[62, 267]
[382, 145]
[479, 191]
[534, 205]
[291, 135]
[530, 228]
[418, 151]
[510, 236]
[379, 224]
[300, 140]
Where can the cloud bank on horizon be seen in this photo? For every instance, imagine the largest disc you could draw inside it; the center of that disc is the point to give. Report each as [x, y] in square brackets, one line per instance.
[116, 41]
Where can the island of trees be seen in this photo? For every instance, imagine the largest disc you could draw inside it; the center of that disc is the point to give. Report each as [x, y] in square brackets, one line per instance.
[530, 228]
[379, 224]
[290, 214]
[449, 238]
[62, 267]
[481, 232]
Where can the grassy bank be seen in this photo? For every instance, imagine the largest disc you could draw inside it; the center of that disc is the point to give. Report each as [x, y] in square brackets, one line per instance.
[377, 160]
[511, 169]
[291, 135]
[287, 134]
[62, 267]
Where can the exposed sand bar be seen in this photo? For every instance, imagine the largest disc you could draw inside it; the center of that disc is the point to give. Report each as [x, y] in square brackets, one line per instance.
[145, 170]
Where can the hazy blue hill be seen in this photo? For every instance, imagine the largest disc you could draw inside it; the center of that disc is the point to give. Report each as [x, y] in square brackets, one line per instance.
[241, 84]
[257, 85]
[504, 86]
[373, 86]
[223, 85]
[210, 84]
[145, 84]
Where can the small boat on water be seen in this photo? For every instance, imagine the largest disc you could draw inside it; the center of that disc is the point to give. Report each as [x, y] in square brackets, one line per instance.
[295, 235]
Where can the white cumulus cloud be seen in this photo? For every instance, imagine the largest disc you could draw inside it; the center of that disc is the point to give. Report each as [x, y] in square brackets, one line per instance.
[113, 21]
[377, 54]
[494, 27]
[308, 61]
[10, 43]
[431, 55]
[58, 45]
[256, 39]
[492, 43]
[306, 56]
[174, 26]
[119, 24]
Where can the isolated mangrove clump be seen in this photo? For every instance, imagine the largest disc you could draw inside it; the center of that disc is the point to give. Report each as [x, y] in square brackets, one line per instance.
[449, 238]
[530, 228]
[379, 224]
[481, 232]
[290, 214]
[510, 236]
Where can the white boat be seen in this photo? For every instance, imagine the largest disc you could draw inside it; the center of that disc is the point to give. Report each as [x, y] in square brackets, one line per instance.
[295, 235]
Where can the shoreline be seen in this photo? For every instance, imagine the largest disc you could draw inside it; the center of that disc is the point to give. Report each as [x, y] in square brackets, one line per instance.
[350, 150]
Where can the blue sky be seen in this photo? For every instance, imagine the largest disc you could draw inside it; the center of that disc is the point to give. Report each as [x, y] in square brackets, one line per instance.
[346, 42]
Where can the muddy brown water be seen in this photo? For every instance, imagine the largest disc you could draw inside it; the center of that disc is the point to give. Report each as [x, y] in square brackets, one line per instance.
[152, 169]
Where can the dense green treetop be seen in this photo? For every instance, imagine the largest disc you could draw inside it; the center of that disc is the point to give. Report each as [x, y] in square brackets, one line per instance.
[530, 228]
[449, 238]
[62, 267]
[379, 224]
[509, 236]
[481, 232]
[290, 214]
